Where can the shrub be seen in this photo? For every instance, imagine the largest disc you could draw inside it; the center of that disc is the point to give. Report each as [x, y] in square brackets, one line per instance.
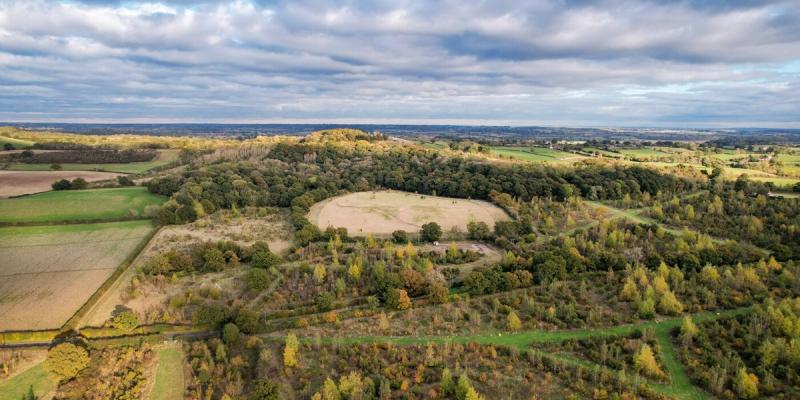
[125, 321]
[264, 389]
[400, 236]
[257, 280]
[230, 333]
[62, 184]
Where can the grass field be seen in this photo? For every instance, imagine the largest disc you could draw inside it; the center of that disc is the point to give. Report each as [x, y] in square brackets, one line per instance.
[17, 143]
[36, 377]
[535, 154]
[169, 374]
[164, 157]
[17, 183]
[386, 211]
[48, 272]
[74, 205]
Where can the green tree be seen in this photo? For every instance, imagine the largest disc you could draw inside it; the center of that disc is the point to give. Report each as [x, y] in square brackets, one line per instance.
[230, 333]
[66, 360]
[478, 230]
[55, 167]
[430, 232]
[265, 389]
[400, 236]
[213, 260]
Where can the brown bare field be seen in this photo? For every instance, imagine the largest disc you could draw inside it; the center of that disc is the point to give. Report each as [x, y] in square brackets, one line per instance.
[48, 272]
[17, 183]
[384, 212]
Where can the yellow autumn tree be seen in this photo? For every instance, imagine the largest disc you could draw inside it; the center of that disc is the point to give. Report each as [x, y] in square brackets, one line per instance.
[746, 384]
[290, 351]
[513, 322]
[645, 362]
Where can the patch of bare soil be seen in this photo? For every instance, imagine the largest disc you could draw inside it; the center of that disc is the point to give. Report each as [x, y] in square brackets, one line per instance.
[17, 183]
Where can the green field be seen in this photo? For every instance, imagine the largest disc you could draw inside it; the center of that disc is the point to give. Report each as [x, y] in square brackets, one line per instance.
[602, 152]
[18, 386]
[169, 375]
[78, 205]
[164, 157]
[645, 152]
[17, 143]
[535, 154]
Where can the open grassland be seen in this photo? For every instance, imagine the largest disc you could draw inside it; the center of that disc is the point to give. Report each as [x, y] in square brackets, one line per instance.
[386, 211]
[169, 383]
[35, 378]
[77, 205]
[164, 157]
[535, 154]
[48, 272]
[17, 143]
[17, 183]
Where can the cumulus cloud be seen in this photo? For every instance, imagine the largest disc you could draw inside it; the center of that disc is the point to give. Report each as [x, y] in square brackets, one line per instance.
[694, 63]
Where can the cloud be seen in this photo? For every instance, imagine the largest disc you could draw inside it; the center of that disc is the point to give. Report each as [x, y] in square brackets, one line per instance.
[551, 62]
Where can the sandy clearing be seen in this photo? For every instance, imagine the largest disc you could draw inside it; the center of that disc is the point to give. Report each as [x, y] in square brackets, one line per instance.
[16, 183]
[48, 273]
[383, 212]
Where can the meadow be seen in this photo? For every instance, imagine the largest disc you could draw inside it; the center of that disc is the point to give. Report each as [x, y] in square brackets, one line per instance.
[78, 205]
[50, 271]
[383, 212]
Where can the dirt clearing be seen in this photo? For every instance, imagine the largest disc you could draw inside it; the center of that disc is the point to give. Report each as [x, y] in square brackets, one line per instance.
[384, 212]
[17, 183]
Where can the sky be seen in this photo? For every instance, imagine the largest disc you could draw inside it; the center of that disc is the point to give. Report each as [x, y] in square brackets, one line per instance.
[687, 63]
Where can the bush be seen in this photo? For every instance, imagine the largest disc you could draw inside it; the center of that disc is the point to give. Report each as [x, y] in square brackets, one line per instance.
[125, 321]
[79, 183]
[125, 181]
[257, 280]
[66, 360]
[62, 184]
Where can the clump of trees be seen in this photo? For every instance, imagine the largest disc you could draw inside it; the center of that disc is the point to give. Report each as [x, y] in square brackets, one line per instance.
[76, 184]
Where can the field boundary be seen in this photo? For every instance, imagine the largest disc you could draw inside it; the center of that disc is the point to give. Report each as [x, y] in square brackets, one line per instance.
[4, 224]
[93, 300]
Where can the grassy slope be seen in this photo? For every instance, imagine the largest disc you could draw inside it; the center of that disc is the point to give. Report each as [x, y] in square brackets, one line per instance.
[17, 143]
[71, 205]
[36, 377]
[165, 157]
[169, 374]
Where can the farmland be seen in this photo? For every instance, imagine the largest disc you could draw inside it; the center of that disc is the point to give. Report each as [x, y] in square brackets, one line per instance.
[17, 183]
[535, 154]
[383, 212]
[50, 271]
[165, 157]
[78, 205]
